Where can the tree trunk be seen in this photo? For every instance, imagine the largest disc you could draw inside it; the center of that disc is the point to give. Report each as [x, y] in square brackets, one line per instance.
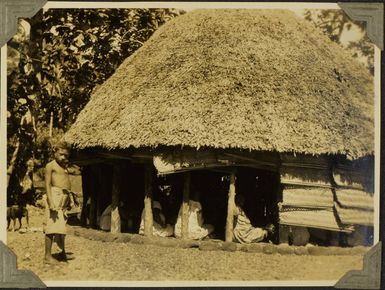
[115, 217]
[230, 209]
[35, 51]
[12, 163]
[185, 204]
[148, 218]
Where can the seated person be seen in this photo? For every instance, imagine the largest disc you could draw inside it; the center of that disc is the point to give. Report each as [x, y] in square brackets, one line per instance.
[196, 229]
[244, 232]
[159, 226]
[105, 218]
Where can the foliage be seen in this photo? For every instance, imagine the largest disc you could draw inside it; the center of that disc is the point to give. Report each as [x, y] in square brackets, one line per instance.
[334, 23]
[82, 48]
[55, 66]
[44, 143]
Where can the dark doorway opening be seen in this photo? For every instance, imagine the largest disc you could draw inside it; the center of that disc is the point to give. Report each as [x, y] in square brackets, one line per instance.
[214, 187]
[131, 196]
[260, 189]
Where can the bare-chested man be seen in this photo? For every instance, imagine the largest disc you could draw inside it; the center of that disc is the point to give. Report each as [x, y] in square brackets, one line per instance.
[58, 184]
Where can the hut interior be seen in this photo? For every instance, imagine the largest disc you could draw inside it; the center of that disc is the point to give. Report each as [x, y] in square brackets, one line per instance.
[311, 198]
[97, 193]
[260, 188]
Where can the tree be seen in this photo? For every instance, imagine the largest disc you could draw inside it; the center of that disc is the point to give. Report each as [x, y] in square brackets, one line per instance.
[54, 69]
[22, 103]
[82, 48]
[334, 22]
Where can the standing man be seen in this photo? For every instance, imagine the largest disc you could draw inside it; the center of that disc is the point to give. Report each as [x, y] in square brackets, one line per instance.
[58, 185]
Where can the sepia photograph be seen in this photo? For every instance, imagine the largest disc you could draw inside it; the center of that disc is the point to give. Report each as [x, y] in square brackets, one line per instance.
[192, 143]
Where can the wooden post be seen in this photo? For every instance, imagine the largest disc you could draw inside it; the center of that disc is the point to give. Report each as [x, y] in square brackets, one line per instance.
[230, 209]
[115, 217]
[185, 204]
[92, 214]
[93, 193]
[98, 207]
[86, 193]
[100, 183]
[148, 218]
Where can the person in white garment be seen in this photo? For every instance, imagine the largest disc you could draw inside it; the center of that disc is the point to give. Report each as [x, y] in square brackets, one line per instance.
[197, 230]
[244, 232]
[159, 226]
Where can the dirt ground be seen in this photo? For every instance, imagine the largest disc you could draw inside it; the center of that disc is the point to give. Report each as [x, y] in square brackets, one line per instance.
[112, 261]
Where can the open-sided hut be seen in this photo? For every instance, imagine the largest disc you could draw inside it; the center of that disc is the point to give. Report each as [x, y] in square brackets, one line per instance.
[233, 91]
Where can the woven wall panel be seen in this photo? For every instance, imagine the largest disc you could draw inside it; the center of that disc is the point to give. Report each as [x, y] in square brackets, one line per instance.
[355, 216]
[302, 160]
[350, 179]
[305, 176]
[319, 197]
[358, 174]
[354, 198]
[316, 218]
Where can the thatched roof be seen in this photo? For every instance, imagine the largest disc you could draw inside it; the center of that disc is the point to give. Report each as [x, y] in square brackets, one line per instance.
[249, 79]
